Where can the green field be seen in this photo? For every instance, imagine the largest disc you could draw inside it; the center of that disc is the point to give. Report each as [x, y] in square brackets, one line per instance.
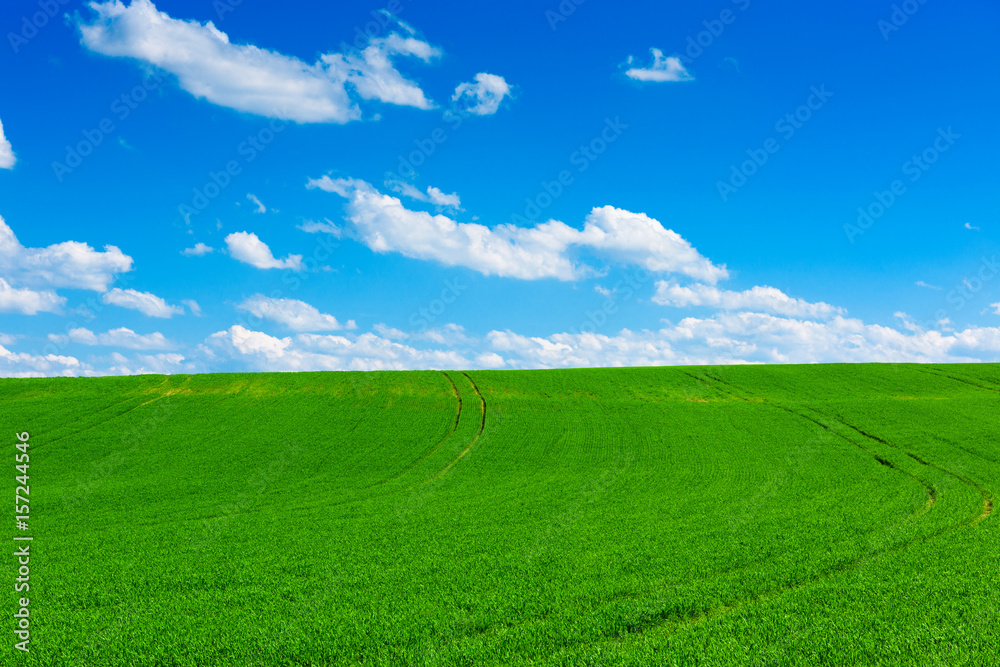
[780, 515]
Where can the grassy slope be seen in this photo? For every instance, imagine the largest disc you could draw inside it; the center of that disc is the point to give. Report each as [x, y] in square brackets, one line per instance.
[719, 516]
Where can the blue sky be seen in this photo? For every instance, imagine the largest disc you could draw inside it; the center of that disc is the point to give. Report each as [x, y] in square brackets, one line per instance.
[198, 186]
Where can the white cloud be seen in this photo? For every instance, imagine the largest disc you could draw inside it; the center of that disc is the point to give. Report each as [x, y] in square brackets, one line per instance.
[143, 364]
[373, 75]
[382, 223]
[908, 322]
[483, 96]
[247, 78]
[121, 337]
[146, 303]
[432, 196]
[198, 250]
[448, 334]
[68, 264]
[921, 283]
[249, 249]
[23, 364]
[439, 198]
[7, 339]
[192, 306]
[996, 307]
[662, 69]
[260, 351]
[727, 338]
[969, 225]
[604, 291]
[28, 302]
[260, 208]
[294, 314]
[490, 360]
[327, 227]
[759, 298]
[7, 158]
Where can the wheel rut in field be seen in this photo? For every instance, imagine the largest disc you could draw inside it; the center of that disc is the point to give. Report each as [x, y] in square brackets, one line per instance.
[693, 617]
[105, 420]
[931, 494]
[987, 496]
[446, 438]
[984, 492]
[942, 374]
[479, 433]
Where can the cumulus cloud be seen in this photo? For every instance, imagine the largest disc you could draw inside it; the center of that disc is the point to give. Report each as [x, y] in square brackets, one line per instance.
[724, 338]
[22, 364]
[198, 250]
[121, 337]
[432, 196]
[759, 298]
[258, 206]
[372, 74]
[662, 69]
[996, 307]
[193, 306]
[249, 249]
[7, 158]
[164, 363]
[482, 96]
[490, 360]
[382, 223]
[247, 78]
[449, 334]
[28, 302]
[727, 338]
[326, 227]
[263, 352]
[68, 264]
[293, 314]
[146, 303]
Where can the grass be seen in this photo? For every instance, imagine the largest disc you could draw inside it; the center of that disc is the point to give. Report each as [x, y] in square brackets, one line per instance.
[781, 515]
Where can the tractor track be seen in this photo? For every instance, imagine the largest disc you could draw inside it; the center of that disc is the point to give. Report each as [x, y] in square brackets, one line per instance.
[454, 427]
[688, 619]
[937, 373]
[104, 421]
[985, 493]
[987, 496]
[932, 496]
[482, 427]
